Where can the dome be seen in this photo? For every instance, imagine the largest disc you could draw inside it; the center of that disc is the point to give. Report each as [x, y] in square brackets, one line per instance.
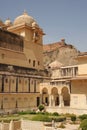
[34, 24]
[24, 18]
[8, 22]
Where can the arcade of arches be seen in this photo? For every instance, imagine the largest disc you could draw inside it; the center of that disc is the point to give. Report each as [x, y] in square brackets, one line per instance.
[55, 97]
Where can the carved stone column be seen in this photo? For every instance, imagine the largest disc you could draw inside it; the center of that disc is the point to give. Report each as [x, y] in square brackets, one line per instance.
[2, 125]
[41, 98]
[61, 102]
[11, 125]
[50, 100]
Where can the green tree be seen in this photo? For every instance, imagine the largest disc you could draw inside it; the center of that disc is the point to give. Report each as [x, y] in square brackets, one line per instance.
[41, 107]
[83, 124]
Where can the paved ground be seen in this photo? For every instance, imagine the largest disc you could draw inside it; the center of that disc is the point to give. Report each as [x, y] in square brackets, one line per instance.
[69, 127]
[36, 125]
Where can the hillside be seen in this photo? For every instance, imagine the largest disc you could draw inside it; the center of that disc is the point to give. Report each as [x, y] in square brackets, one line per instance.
[60, 51]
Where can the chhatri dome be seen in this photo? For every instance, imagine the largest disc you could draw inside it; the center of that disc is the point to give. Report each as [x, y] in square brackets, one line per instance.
[8, 22]
[24, 19]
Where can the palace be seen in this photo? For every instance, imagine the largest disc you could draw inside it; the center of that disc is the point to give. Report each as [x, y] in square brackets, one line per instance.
[21, 63]
[24, 82]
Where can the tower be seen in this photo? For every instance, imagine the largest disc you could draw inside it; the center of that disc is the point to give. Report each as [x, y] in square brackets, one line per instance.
[28, 28]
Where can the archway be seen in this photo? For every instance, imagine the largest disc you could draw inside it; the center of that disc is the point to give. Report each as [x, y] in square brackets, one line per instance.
[55, 96]
[45, 96]
[66, 96]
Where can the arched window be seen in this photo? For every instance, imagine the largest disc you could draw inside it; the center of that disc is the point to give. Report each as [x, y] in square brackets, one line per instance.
[33, 63]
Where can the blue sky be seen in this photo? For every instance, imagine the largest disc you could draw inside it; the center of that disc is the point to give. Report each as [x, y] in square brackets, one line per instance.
[58, 18]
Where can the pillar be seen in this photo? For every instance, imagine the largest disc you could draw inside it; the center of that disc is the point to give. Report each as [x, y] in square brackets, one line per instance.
[11, 125]
[2, 125]
[53, 100]
[50, 100]
[61, 102]
[41, 98]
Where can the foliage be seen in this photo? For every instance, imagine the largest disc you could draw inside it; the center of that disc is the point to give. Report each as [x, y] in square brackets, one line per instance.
[26, 112]
[73, 117]
[41, 107]
[83, 124]
[55, 114]
[82, 117]
[44, 113]
[43, 118]
[59, 119]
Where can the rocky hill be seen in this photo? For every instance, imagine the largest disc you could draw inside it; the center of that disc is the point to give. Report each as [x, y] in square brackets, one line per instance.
[61, 52]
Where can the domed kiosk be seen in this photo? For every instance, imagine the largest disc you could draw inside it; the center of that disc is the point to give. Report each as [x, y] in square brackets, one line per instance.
[25, 26]
[24, 19]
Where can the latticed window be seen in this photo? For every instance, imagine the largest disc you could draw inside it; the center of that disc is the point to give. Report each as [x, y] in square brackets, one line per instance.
[19, 80]
[6, 80]
[34, 63]
[29, 61]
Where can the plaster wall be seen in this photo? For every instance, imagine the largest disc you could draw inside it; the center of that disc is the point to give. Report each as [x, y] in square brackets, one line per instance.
[82, 69]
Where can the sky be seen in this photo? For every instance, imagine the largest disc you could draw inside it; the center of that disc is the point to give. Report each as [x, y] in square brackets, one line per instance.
[58, 18]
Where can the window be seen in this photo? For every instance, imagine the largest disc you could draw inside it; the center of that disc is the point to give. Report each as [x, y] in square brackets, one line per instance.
[34, 63]
[25, 81]
[5, 99]
[38, 63]
[3, 55]
[13, 81]
[34, 85]
[29, 84]
[76, 70]
[20, 81]
[6, 80]
[29, 61]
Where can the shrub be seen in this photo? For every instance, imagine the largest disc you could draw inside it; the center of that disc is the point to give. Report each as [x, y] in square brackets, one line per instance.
[73, 118]
[55, 114]
[60, 119]
[83, 124]
[26, 112]
[82, 117]
[43, 118]
[41, 107]
[44, 113]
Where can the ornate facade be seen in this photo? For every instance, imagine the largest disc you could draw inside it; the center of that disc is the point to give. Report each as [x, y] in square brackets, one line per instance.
[21, 63]
[24, 83]
[67, 90]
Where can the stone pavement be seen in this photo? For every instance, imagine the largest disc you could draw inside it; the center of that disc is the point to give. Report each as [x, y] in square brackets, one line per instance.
[67, 127]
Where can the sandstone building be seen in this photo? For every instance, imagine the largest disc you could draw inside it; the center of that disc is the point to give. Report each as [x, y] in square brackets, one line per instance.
[21, 63]
[67, 90]
[25, 84]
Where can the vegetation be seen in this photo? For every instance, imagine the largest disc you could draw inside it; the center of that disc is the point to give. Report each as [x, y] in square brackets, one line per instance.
[27, 112]
[32, 115]
[41, 107]
[43, 118]
[82, 117]
[83, 124]
[55, 114]
[73, 117]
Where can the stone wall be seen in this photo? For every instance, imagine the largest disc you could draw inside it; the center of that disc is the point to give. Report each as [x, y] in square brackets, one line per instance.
[22, 125]
[11, 41]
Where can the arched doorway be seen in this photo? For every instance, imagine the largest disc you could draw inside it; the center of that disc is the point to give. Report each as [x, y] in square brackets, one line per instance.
[66, 96]
[55, 96]
[45, 96]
